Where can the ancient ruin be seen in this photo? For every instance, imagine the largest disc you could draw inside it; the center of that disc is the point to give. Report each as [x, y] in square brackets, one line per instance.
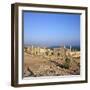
[51, 61]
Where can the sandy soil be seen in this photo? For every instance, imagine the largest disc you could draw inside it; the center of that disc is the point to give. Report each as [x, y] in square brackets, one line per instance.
[36, 66]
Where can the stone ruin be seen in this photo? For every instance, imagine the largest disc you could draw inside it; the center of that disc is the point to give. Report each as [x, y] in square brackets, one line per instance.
[61, 52]
[59, 61]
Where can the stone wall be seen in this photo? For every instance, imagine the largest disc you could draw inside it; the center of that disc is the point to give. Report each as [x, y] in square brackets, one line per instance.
[61, 52]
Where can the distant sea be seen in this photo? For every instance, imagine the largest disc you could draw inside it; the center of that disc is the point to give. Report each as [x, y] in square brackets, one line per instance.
[73, 48]
[77, 48]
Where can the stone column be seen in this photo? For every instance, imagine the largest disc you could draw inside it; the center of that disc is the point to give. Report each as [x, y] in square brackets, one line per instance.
[32, 49]
[64, 46]
[35, 50]
[38, 51]
[44, 50]
[70, 48]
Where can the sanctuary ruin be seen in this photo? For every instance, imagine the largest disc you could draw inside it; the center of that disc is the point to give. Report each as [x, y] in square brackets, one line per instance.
[61, 52]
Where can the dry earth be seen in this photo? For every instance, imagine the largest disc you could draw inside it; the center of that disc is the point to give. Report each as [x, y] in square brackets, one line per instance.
[36, 66]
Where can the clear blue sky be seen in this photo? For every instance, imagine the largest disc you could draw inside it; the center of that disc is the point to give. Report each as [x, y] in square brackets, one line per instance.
[51, 29]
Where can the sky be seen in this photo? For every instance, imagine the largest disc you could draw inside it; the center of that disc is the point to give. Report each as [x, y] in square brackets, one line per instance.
[51, 29]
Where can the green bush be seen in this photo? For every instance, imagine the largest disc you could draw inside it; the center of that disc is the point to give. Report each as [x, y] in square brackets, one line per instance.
[67, 60]
[66, 65]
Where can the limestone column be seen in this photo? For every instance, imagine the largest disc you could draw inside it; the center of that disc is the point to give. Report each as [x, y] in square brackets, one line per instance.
[70, 48]
[64, 46]
[32, 49]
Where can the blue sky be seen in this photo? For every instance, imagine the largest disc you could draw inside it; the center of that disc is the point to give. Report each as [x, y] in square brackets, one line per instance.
[51, 29]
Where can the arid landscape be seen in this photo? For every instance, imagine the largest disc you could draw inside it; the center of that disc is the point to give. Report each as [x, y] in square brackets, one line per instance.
[51, 62]
[51, 44]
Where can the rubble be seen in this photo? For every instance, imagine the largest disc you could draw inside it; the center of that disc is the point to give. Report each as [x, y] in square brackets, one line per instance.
[57, 62]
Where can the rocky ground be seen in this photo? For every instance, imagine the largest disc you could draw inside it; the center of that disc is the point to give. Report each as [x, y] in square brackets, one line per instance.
[36, 66]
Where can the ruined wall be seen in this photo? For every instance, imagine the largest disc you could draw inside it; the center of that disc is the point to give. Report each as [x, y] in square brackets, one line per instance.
[61, 52]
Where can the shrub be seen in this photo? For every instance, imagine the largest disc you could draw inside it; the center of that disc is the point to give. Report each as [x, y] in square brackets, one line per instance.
[66, 65]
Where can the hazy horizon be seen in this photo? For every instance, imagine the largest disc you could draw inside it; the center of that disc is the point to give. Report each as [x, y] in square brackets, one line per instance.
[51, 29]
